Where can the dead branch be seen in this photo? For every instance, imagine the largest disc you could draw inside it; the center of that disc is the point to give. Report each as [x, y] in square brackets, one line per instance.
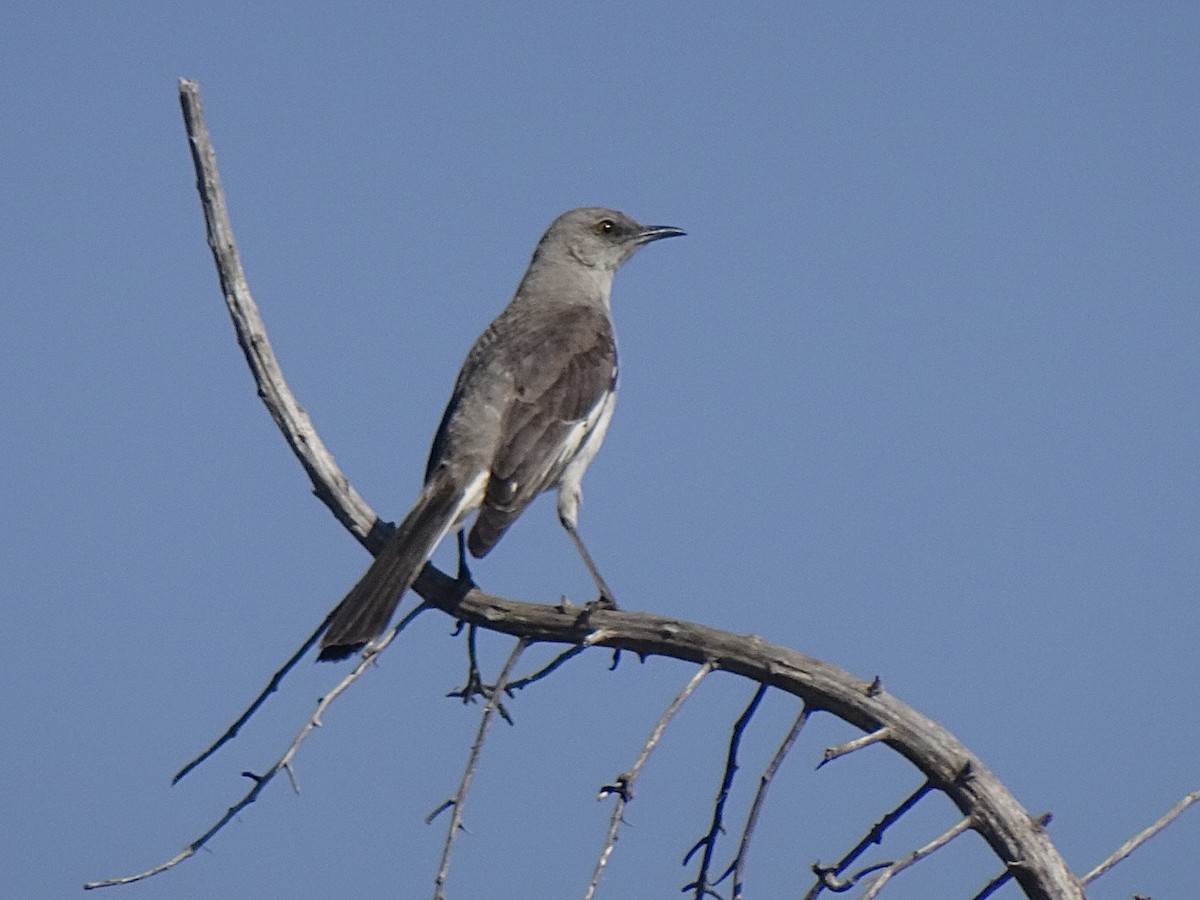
[493, 704]
[841, 885]
[832, 753]
[623, 786]
[874, 836]
[709, 841]
[329, 484]
[994, 885]
[552, 666]
[272, 686]
[915, 857]
[1011, 832]
[738, 866]
[282, 764]
[1141, 837]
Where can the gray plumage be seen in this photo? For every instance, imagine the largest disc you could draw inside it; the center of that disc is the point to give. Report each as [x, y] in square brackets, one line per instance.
[529, 410]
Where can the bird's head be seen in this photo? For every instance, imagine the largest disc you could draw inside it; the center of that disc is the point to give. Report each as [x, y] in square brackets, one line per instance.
[599, 238]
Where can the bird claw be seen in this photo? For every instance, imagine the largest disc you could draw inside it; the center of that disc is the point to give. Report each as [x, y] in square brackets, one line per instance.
[603, 602]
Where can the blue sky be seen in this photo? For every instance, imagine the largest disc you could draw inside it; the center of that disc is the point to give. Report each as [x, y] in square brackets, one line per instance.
[917, 395]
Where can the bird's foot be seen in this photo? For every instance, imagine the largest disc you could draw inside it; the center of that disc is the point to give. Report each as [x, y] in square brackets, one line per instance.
[604, 602]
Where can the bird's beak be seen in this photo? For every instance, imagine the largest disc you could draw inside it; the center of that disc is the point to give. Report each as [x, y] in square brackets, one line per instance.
[656, 232]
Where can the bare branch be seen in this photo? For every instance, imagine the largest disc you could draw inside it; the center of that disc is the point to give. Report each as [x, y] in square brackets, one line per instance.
[915, 857]
[1141, 837]
[329, 484]
[994, 885]
[738, 866]
[874, 836]
[709, 841]
[1000, 819]
[439, 884]
[522, 683]
[272, 686]
[282, 764]
[623, 787]
[439, 809]
[832, 753]
[827, 878]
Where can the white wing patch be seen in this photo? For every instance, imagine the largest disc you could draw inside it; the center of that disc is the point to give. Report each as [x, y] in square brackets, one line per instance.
[580, 448]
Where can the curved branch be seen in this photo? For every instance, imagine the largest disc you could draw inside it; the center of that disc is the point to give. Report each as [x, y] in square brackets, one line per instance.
[1017, 838]
[1014, 836]
[329, 484]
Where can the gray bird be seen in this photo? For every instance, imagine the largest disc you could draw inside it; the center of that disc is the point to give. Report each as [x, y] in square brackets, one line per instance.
[528, 413]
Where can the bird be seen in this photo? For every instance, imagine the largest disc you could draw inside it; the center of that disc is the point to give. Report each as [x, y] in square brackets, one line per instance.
[528, 412]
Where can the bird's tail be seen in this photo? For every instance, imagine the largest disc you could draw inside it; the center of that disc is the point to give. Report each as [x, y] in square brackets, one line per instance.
[364, 613]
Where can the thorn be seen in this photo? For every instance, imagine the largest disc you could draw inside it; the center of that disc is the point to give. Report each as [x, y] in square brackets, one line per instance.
[291, 774]
[439, 810]
[620, 787]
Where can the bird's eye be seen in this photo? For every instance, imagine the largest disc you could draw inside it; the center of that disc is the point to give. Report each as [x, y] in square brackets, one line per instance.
[605, 226]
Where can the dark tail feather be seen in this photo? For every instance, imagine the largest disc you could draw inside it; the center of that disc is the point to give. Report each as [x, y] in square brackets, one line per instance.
[364, 613]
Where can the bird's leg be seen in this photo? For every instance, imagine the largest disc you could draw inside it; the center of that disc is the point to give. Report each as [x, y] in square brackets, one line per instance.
[607, 599]
[464, 573]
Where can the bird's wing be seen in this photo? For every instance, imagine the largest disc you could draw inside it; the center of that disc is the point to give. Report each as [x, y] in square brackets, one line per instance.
[563, 364]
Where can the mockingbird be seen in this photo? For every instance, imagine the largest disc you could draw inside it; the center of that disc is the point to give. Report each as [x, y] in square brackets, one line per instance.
[528, 412]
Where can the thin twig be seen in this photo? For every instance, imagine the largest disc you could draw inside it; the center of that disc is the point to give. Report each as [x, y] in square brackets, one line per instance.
[439, 885]
[916, 856]
[623, 787]
[522, 683]
[840, 885]
[832, 753]
[709, 841]
[994, 885]
[1141, 837]
[284, 763]
[272, 686]
[874, 836]
[738, 866]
